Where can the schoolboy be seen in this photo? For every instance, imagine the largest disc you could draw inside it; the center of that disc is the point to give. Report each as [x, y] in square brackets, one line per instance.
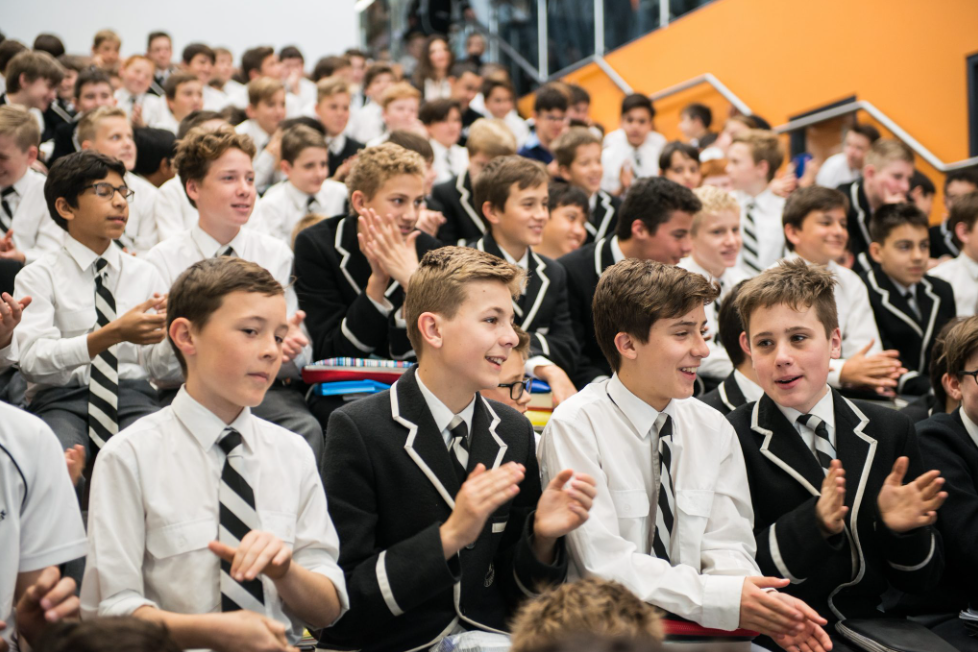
[885, 180]
[223, 79]
[294, 76]
[649, 315]
[847, 166]
[155, 148]
[549, 120]
[514, 385]
[159, 50]
[333, 111]
[740, 386]
[922, 192]
[184, 94]
[565, 231]
[694, 121]
[266, 111]
[32, 82]
[653, 224]
[464, 221]
[466, 82]
[910, 307]
[61, 110]
[368, 121]
[93, 336]
[93, 88]
[578, 155]
[500, 103]
[435, 490]
[579, 104]
[105, 49]
[752, 160]
[141, 106]
[962, 272]
[25, 231]
[215, 169]
[512, 192]
[831, 512]
[957, 183]
[199, 60]
[938, 400]
[204, 518]
[716, 240]
[306, 188]
[680, 162]
[442, 119]
[632, 152]
[399, 105]
[261, 62]
[107, 130]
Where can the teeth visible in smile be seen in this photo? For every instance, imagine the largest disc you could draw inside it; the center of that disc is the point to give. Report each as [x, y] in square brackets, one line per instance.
[498, 361]
[689, 370]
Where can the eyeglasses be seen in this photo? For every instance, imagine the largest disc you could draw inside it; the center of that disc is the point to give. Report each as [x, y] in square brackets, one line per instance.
[973, 374]
[516, 389]
[107, 190]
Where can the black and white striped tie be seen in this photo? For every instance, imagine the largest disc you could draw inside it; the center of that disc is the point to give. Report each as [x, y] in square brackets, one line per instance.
[103, 382]
[824, 450]
[226, 251]
[238, 517]
[7, 216]
[459, 446]
[666, 504]
[750, 253]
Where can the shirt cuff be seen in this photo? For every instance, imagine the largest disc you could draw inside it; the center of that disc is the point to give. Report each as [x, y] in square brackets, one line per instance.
[8, 354]
[533, 363]
[835, 372]
[75, 352]
[383, 308]
[124, 603]
[721, 601]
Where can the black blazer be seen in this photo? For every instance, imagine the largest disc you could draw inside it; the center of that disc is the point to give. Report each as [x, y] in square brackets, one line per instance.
[350, 148]
[725, 397]
[57, 114]
[464, 221]
[542, 310]
[922, 408]
[858, 225]
[900, 328]
[331, 276]
[603, 219]
[845, 576]
[584, 267]
[391, 484]
[64, 142]
[943, 242]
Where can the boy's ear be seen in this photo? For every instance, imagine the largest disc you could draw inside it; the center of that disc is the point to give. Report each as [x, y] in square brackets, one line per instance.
[835, 343]
[429, 324]
[87, 144]
[286, 167]
[626, 346]
[492, 216]
[639, 230]
[358, 201]
[31, 155]
[961, 230]
[952, 385]
[250, 111]
[563, 171]
[764, 167]
[65, 211]
[745, 343]
[193, 189]
[791, 235]
[874, 251]
[182, 336]
[166, 166]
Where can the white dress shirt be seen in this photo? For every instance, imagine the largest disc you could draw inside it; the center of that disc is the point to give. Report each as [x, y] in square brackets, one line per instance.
[767, 211]
[238, 96]
[165, 120]
[835, 171]
[283, 205]
[264, 162]
[53, 335]
[174, 212]
[35, 232]
[449, 161]
[434, 90]
[154, 508]
[752, 391]
[214, 99]
[141, 233]
[154, 106]
[824, 410]
[367, 123]
[643, 159]
[442, 416]
[607, 432]
[41, 524]
[962, 274]
[517, 125]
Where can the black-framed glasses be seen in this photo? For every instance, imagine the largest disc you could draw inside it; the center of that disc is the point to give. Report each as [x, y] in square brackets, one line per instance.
[106, 190]
[516, 389]
[973, 374]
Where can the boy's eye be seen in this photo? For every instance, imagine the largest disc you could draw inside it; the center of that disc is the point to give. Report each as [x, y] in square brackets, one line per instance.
[762, 343]
[798, 338]
[249, 331]
[279, 339]
[491, 320]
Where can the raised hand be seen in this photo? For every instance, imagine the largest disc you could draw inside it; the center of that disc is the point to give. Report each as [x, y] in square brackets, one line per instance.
[49, 599]
[395, 252]
[75, 459]
[905, 507]
[139, 326]
[879, 371]
[259, 553]
[11, 312]
[295, 340]
[430, 222]
[481, 494]
[561, 510]
[830, 509]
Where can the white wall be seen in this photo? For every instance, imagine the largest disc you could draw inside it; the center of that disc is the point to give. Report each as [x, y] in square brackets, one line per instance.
[317, 27]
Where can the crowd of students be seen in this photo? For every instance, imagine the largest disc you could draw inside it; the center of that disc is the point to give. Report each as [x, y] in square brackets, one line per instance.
[726, 346]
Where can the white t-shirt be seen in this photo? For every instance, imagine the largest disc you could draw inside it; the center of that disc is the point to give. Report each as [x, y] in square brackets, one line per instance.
[835, 172]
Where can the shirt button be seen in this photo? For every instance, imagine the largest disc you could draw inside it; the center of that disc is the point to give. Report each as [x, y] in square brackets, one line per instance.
[471, 546]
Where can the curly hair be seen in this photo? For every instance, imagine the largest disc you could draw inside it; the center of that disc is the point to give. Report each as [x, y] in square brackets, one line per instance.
[201, 147]
[375, 165]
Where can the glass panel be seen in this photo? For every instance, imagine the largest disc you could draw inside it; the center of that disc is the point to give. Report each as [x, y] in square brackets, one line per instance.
[678, 8]
[626, 20]
[570, 27]
[376, 29]
[517, 21]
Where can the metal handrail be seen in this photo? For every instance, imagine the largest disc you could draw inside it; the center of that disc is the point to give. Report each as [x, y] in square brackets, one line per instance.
[510, 51]
[706, 78]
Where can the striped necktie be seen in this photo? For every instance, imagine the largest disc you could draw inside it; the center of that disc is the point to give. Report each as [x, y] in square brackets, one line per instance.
[459, 446]
[824, 450]
[7, 217]
[312, 201]
[226, 251]
[238, 517]
[103, 382]
[666, 504]
[750, 253]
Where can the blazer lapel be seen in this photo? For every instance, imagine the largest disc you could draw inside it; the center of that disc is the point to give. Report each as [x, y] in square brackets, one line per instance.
[604, 213]
[488, 244]
[930, 306]
[536, 290]
[463, 184]
[730, 394]
[424, 444]
[603, 258]
[485, 445]
[892, 300]
[784, 447]
[353, 264]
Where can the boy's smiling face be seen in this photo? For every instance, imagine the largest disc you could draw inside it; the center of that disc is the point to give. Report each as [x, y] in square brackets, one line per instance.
[226, 194]
[14, 161]
[96, 221]
[585, 170]
[400, 196]
[309, 169]
[522, 220]
[822, 237]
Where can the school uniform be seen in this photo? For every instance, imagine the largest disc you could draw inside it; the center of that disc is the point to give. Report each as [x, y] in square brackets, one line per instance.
[340, 149]
[283, 205]
[449, 161]
[923, 407]
[943, 242]
[611, 434]
[5, 100]
[858, 224]
[159, 81]
[584, 267]
[174, 212]
[910, 328]
[616, 151]
[156, 504]
[367, 123]
[153, 106]
[542, 309]
[58, 113]
[35, 232]
[962, 274]
[469, 116]
[534, 150]
[602, 216]
[284, 403]
[40, 522]
[846, 575]
[391, 483]
[238, 97]
[165, 120]
[762, 231]
[264, 163]
[735, 390]
[214, 99]
[835, 172]
[464, 221]
[141, 233]
[65, 140]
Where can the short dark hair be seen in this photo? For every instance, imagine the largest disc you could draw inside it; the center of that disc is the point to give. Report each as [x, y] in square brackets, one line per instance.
[794, 283]
[413, 142]
[327, 67]
[33, 66]
[152, 147]
[438, 110]
[459, 68]
[804, 201]
[174, 81]
[8, 50]
[697, 111]
[91, 76]
[729, 327]
[72, 174]
[550, 98]
[938, 359]
[653, 200]
[489, 85]
[562, 193]
[194, 119]
[578, 94]
[960, 343]
[73, 62]
[967, 175]
[305, 121]
[155, 35]
[889, 216]
[194, 49]
[687, 150]
[965, 210]
[253, 58]
[922, 181]
[354, 52]
[106, 634]
[499, 175]
[869, 132]
[374, 70]
[290, 52]
[637, 101]
[49, 43]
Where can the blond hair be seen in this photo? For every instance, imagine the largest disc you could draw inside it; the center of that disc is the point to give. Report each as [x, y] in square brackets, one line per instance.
[263, 89]
[88, 125]
[104, 35]
[764, 146]
[19, 124]
[715, 201]
[330, 86]
[439, 284]
[490, 137]
[297, 138]
[399, 91]
[375, 165]
[887, 150]
[793, 283]
[201, 147]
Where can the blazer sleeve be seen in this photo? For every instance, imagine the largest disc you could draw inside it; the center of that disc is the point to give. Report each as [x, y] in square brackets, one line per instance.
[559, 344]
[793, 547]
[579, 312]
[382, 582]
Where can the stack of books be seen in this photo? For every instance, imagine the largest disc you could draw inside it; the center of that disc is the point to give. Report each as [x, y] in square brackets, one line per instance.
[353, 377]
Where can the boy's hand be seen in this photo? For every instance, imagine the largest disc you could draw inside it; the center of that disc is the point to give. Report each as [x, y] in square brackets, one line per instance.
[75, 458]
[137, 116]
[481, 494]
[626, 176]
[295, 340]
[344, 169]
[139, 327]
[259, 553]
[561, 510]
[905, 507]
[765, 612]
[11, 312]
[830, 510]
[561, 387]
[811, 638]
[51, 598]
[247, 631]
[786, 183]
[395, 252]
[879, 371]
[9, 251]
[430, 221]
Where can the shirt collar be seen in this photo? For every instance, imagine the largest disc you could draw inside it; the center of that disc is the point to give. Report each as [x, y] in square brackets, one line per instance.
[824, 410]
[438, 149]
[640, 414]
[969, 264]
[617, 254]
[901, 288]
[336, 144]
[440, 412]
[969, 425]
[522, 263]
[210, 247]
[298, 198]
[533, 141]
[85, 257]
[752, 391]
[204, 425]
[20, 186]
[592, 201]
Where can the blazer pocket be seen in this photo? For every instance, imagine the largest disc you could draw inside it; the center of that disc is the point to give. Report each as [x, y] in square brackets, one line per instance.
[630, 503]
[181, 538]
[695, 507]
[281, 524]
